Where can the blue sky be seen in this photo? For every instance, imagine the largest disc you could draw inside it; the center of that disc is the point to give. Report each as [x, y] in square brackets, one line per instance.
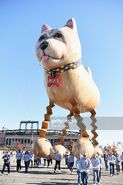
[100, 27]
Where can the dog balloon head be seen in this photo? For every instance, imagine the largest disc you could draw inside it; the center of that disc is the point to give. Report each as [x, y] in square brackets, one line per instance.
[56, 47]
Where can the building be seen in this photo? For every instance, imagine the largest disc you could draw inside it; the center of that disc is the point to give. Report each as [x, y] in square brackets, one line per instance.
[2, 138]
[28, 132]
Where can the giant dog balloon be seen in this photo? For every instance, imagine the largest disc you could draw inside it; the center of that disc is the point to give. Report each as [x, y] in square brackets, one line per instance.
[68, 83]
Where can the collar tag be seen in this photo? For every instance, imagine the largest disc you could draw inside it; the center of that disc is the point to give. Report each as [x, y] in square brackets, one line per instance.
[55, 81]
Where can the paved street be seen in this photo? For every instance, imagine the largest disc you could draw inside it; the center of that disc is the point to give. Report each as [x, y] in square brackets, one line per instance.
[45, 176]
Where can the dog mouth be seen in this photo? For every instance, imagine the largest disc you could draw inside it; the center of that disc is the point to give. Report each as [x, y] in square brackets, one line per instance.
[45, 58]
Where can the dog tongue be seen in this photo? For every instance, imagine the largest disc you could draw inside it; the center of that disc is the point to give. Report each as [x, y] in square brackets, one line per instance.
[45, 58]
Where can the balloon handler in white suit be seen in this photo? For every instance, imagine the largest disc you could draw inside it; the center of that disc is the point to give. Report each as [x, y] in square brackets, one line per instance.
[68, 83]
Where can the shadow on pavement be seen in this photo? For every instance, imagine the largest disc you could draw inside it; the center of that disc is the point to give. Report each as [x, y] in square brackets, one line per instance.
[37, 172]
[53, 183]
[40, 172]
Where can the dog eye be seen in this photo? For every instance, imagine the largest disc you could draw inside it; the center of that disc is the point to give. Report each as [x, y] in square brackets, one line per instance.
[58, 35]
[41, 38]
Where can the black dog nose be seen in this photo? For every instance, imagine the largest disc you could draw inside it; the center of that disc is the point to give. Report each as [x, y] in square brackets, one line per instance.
[43, 45]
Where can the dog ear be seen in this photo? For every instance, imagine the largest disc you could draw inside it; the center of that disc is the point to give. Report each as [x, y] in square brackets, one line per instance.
[45, 27]
[71, 23]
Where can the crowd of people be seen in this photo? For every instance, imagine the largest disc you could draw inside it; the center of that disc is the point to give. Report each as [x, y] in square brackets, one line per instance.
[113, 163]
[25, 156]
[82, 164]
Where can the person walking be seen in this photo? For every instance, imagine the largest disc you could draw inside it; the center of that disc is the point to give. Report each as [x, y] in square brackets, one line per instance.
[101, 165]
[66, 157]
[78, 166]
[96, 168]
[70, 162]
[45, 159]
[105, 156]
[112, 161]
[49, 161]
[31, 155]
[19, 156]
[85, 164]
[118, 161]
[121, 158]
[26, 158]
[6, 159]
[35, 161]
[58, 162]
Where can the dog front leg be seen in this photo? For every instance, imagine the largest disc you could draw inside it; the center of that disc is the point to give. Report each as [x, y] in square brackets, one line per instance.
[45, 123]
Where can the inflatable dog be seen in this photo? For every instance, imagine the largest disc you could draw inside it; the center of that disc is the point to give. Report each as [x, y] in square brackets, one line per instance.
[68, 83]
